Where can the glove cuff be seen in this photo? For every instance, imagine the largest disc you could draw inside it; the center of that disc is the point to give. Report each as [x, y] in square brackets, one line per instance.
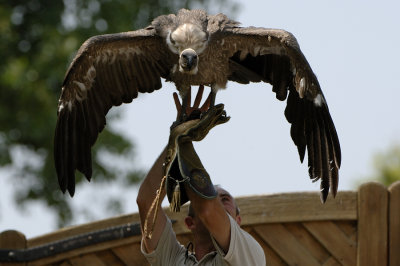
[187, 169]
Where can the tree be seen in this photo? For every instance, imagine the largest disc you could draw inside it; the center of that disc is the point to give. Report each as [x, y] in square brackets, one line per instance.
[39, 40]
[387, 166]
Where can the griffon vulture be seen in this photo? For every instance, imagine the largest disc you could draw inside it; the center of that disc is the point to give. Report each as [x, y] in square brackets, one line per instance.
[191, 48]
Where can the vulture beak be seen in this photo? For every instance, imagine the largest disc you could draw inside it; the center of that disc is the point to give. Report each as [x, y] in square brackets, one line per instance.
[188, 61]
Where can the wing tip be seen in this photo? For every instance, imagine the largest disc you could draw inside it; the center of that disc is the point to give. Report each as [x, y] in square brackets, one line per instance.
[324, 194]
[71, 191]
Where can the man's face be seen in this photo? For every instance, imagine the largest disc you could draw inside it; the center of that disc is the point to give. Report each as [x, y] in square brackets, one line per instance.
[228, 202]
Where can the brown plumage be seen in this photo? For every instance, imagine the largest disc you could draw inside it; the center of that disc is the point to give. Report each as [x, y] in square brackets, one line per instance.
[191, 48]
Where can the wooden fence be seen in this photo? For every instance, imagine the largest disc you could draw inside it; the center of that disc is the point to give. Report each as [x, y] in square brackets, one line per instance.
[357, 228]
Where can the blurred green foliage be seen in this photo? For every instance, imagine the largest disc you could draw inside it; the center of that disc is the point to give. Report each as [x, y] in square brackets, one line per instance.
[38, 41]
[387, 166]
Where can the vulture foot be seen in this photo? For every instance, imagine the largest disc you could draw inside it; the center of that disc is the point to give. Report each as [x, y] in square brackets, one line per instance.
[187, 112]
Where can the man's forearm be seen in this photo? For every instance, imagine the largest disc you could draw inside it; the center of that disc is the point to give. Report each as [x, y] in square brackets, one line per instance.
[151, 183]
[213, 215]
[147, 194]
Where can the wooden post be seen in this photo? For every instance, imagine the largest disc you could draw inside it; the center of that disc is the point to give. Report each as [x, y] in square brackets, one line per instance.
[12, 239]
[372, 225]
[394, 224]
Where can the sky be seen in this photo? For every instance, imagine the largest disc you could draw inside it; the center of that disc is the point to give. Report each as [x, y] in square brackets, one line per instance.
[352, 46]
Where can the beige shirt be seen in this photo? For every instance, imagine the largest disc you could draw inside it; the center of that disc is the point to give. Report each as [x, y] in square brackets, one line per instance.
[243, 250]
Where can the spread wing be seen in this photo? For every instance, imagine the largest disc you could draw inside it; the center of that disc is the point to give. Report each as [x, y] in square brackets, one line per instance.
[107, 71]
[274, 56]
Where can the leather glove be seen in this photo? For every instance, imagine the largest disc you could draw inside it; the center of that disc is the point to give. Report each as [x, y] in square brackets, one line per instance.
[182, 164]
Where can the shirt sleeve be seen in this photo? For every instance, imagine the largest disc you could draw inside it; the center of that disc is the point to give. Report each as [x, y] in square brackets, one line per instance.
[168, 250]
[243, 248]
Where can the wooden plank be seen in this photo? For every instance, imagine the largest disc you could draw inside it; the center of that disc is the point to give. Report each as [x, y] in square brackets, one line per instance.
[331, 262]
[109, 258]
[297, 207]
[65, 263]
[334, 240]
[349, 228]
[285, 244]
[308, 241]
[394, 224]
[87, 260]
[130, 254]
[372, 225]
[271, 257]
[12, 239]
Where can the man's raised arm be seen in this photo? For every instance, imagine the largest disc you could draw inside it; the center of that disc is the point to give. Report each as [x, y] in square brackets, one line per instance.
[210, 211]
[146, 195]
[214, 217]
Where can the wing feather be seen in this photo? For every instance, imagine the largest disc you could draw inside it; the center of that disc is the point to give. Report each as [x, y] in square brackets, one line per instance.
[274, 56]
[326, 173]
[310, 149]
[59, 149]
[82, 144]
[72, 150]
[317, 171]
[107, 71]
[334, 153]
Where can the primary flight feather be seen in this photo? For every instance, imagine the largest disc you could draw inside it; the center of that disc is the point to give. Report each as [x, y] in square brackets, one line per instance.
[191, 48]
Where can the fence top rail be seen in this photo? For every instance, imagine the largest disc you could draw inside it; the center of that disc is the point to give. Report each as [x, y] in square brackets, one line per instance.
[256, 209]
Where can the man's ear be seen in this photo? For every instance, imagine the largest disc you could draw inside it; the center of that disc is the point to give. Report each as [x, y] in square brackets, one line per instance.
[189, 222]
[238, 219]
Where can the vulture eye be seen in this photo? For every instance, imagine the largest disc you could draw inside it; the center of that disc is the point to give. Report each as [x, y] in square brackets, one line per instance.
[172, 40]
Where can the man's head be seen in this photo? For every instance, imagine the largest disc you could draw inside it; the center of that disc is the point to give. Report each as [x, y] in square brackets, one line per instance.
[227, 201]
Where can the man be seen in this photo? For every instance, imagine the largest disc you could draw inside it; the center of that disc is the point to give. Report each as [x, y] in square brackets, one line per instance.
[215, 223]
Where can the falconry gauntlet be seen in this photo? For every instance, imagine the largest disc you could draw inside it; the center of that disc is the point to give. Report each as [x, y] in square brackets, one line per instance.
[182, 164]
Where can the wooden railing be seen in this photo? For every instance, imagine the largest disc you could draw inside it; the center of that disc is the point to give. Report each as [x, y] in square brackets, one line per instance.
[356, 228]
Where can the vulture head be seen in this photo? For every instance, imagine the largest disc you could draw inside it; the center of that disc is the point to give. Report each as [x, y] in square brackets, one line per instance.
[188, 40]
